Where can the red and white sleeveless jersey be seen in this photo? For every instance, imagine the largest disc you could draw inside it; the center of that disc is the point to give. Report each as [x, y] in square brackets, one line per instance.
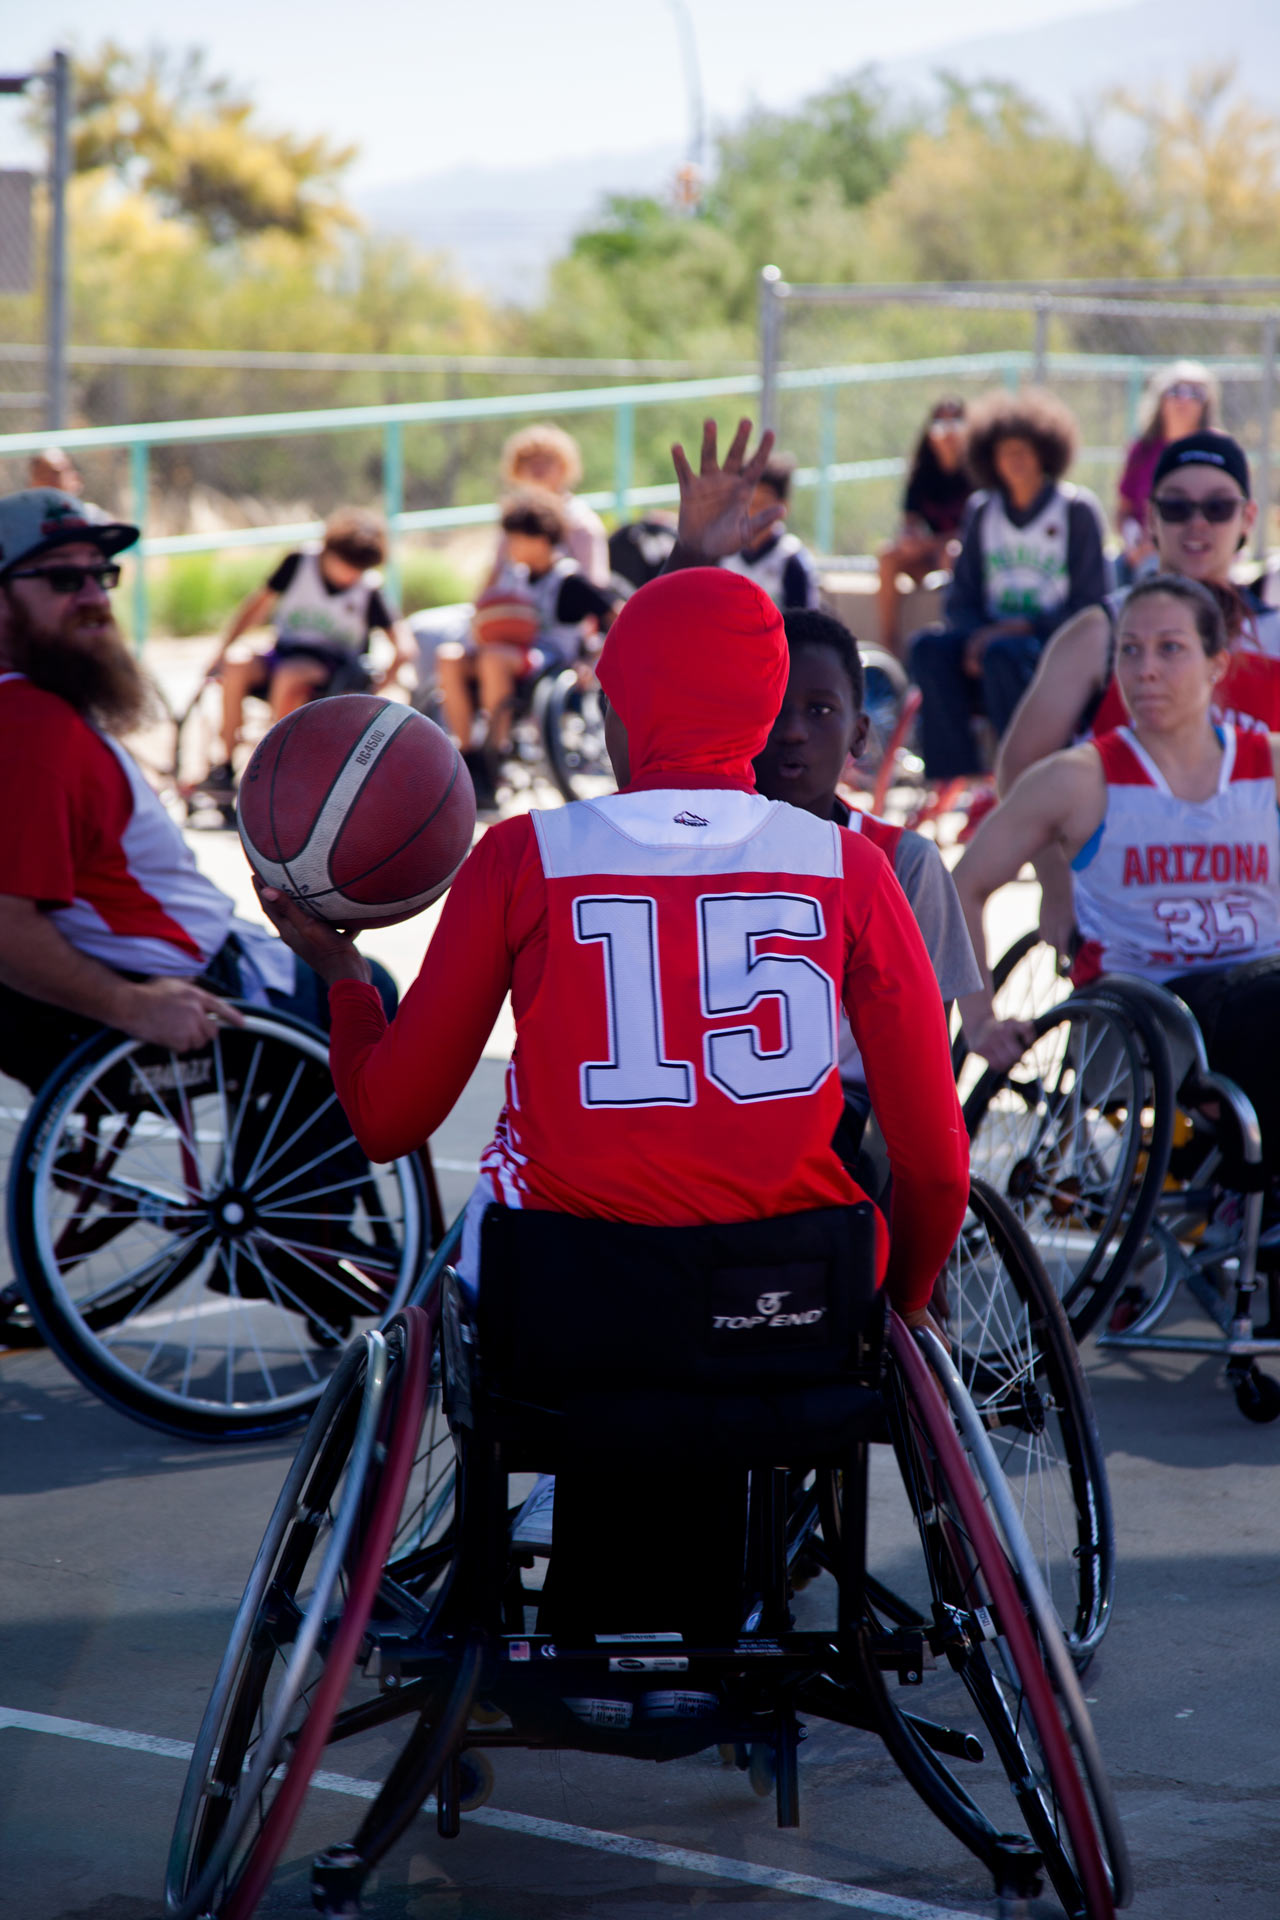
[1167, 885]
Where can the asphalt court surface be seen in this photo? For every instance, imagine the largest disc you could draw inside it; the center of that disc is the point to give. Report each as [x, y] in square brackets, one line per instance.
[122, 1555]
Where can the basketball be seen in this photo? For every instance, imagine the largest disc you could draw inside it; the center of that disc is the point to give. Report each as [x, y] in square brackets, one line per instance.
[359, 806]
[506, 615]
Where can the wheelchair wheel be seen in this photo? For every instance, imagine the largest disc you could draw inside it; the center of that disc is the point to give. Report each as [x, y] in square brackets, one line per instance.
[197, 1235]
[1002, 1641]
[1076, 1137]
[572, 722]
[1016, 1355]
[299, 1626]
[1024, 982]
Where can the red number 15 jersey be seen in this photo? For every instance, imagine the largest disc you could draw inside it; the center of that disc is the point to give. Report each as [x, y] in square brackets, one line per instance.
[677, 961]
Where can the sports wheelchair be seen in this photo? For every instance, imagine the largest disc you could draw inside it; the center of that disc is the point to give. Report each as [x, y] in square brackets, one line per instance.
[557, 733]
[1118, 1146]
[197, 1235]
[705, 1447]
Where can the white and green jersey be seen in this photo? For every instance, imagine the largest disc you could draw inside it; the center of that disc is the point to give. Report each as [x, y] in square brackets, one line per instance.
[1024, 569]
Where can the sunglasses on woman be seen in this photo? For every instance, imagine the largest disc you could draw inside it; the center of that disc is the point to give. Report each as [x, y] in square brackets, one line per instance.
[1185, 390]
[1176, 510]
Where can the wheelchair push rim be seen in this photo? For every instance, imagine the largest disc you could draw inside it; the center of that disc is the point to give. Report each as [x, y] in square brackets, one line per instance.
[339, 1506]
[1068, 1137]
[197, 1235]
[1025, 1689]
[1019, 1362]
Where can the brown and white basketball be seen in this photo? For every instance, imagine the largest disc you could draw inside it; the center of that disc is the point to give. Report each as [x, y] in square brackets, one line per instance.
[359, 806]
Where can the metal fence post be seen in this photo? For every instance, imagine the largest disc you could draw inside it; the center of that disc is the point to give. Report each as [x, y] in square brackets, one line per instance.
[770, 306]
[1262, 535]
[139, 486]
[825, 522]
[624, 455]
[1040, 350]
[56, 317]
[393, 497]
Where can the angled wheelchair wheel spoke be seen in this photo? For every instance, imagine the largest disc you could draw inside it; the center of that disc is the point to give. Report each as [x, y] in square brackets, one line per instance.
[1062, 1137]
[1017, 1357]
[151, 1258]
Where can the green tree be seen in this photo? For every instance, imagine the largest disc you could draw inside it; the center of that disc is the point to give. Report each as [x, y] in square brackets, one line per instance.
[1207, 179]
[160, 124]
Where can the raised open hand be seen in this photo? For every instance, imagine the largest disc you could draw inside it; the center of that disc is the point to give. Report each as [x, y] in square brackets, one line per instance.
[715, 503]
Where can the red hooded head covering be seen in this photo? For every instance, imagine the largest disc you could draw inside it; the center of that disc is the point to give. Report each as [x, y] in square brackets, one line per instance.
[696, 667]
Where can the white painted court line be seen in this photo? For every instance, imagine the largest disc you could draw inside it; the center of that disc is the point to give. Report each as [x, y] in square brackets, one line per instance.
[804, 1886]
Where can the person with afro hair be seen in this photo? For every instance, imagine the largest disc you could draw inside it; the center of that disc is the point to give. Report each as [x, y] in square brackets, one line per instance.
[1031, 555]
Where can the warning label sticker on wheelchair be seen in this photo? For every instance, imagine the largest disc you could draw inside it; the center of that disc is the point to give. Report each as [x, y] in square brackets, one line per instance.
[648, 1663]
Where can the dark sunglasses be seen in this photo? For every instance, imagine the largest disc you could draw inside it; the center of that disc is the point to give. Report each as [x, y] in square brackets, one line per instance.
[70, 579]
[1217, 509]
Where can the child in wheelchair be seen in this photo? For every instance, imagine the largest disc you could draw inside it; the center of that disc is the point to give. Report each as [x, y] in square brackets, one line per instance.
[662, 1243]
[821, 726]
[481, 674]
[325, 604]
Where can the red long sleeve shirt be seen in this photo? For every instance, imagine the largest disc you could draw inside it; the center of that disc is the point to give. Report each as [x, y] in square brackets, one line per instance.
[676, 956]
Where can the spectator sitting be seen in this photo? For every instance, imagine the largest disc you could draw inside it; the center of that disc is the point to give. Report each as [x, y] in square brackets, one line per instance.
[640, 549]
[547, 459]
[325, 603]
[1179, 399]
[938, 487]
[480, 680]
[777, 561]
[56, 469]
[1031, 556]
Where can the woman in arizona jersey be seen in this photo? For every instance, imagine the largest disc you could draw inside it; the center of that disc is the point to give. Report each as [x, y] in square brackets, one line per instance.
[677, 955]
[1199, 515]
[1171, 828]
[1031, 556]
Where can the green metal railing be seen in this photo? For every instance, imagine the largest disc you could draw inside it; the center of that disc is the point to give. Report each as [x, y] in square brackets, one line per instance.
[621, 401]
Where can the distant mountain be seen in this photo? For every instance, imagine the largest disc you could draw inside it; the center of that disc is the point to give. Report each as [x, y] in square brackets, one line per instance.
[503, 225]
[1071, 64]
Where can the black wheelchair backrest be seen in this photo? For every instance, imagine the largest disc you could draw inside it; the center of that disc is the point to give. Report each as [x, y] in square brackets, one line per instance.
[760, 1304]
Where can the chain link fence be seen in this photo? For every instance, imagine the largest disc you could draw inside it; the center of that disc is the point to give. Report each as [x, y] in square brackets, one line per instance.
[1097, 347]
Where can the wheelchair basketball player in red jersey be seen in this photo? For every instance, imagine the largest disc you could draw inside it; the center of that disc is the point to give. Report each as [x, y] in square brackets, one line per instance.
[677, 956]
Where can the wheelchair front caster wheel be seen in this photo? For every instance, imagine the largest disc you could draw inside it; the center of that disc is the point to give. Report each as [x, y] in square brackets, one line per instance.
[1257, 1395]
[762, 1769]
[475, 1781]
[337, 1877]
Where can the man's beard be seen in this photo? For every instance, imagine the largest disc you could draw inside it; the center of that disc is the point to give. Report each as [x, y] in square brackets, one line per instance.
[82, 659]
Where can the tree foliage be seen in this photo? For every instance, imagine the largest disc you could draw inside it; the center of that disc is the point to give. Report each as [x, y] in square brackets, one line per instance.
[161, 125]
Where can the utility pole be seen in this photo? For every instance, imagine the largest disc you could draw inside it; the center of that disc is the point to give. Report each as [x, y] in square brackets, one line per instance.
[57, 78]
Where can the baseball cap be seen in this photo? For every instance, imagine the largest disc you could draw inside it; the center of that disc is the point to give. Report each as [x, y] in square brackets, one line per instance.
[1205, 450]
[41, 518]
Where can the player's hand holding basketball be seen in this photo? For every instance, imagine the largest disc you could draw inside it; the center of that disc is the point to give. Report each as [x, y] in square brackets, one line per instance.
[715, 503]
[331, 953]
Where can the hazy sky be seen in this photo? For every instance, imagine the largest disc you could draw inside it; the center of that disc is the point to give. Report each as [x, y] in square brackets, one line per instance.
[422, 85]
